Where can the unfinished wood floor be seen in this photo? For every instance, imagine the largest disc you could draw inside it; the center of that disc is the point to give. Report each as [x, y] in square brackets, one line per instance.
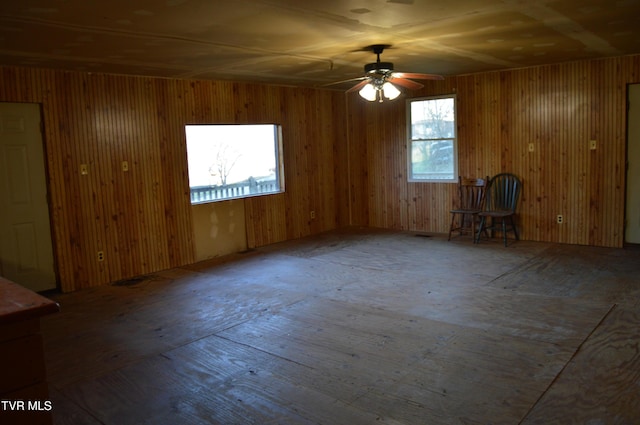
[358, 326]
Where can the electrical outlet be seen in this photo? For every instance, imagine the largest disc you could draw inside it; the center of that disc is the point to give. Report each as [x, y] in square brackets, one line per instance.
[312, 215]
[560, 219]
[100, 255]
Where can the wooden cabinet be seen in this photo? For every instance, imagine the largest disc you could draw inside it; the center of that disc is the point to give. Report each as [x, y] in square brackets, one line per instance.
[24, 395]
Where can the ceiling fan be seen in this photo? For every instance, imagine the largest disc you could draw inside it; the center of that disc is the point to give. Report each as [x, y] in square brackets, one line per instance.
[380, 80]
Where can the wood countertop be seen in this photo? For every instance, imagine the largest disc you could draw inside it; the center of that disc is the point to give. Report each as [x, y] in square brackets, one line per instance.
[18, 303]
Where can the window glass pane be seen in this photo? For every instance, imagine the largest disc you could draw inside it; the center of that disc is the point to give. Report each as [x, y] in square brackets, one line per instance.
[432, 160]
[232, 161]
[433, 119]
[432, 139]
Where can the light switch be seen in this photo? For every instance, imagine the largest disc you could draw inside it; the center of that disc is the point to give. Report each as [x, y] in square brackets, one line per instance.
[84, 169]
[125, 166]
[592, 144]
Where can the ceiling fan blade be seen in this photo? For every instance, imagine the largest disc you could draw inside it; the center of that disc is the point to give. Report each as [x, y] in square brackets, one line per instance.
[411, 85]
[358, 86]
[417, 76]
[345, 81]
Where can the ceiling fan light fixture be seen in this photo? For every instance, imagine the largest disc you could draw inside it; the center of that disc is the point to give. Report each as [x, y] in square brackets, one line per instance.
[377, 90]
[390, 91]
[369, 92]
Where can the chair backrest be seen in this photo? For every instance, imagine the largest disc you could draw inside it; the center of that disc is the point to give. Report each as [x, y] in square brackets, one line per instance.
[503, 192]
[472, 192]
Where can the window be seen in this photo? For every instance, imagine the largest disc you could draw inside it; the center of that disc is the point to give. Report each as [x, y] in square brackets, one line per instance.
[233, 161]
[432, 145]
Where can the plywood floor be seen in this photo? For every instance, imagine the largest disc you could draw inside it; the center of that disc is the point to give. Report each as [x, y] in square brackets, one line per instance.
[358, 326]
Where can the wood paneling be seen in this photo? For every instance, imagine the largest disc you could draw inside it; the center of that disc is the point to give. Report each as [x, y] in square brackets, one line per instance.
[142, 219]
[344, 158]
[558, 108]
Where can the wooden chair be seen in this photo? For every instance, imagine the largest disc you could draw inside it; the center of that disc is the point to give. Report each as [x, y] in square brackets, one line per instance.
[502, 200]
[471, 195]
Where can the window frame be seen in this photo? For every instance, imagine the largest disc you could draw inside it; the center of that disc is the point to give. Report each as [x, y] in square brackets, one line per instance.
[279, 169]
[411, 140]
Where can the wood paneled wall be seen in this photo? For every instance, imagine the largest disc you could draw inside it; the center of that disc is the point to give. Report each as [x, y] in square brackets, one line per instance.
[141, 218]
[558, 108]
[344, 158]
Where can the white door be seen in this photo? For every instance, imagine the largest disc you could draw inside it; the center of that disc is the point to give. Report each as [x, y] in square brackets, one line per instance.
[26, 253]
[632, 228]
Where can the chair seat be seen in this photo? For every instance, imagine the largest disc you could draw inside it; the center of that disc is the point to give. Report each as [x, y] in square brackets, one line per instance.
[465, 211]
[495, 213]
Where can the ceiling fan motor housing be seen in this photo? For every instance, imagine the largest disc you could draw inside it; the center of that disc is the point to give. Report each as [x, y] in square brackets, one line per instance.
[378, 67]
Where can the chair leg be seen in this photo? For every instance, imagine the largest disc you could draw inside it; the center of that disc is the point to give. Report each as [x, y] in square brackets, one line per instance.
[504, 231]
[482, 223]
[474, 217]
[463, 222]
[453, 218]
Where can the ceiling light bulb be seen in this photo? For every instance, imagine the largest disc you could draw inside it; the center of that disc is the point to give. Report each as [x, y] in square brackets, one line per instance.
[390, 91]
[368, 92]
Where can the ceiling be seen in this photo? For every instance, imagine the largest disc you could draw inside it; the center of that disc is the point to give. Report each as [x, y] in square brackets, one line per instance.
[310, 42]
